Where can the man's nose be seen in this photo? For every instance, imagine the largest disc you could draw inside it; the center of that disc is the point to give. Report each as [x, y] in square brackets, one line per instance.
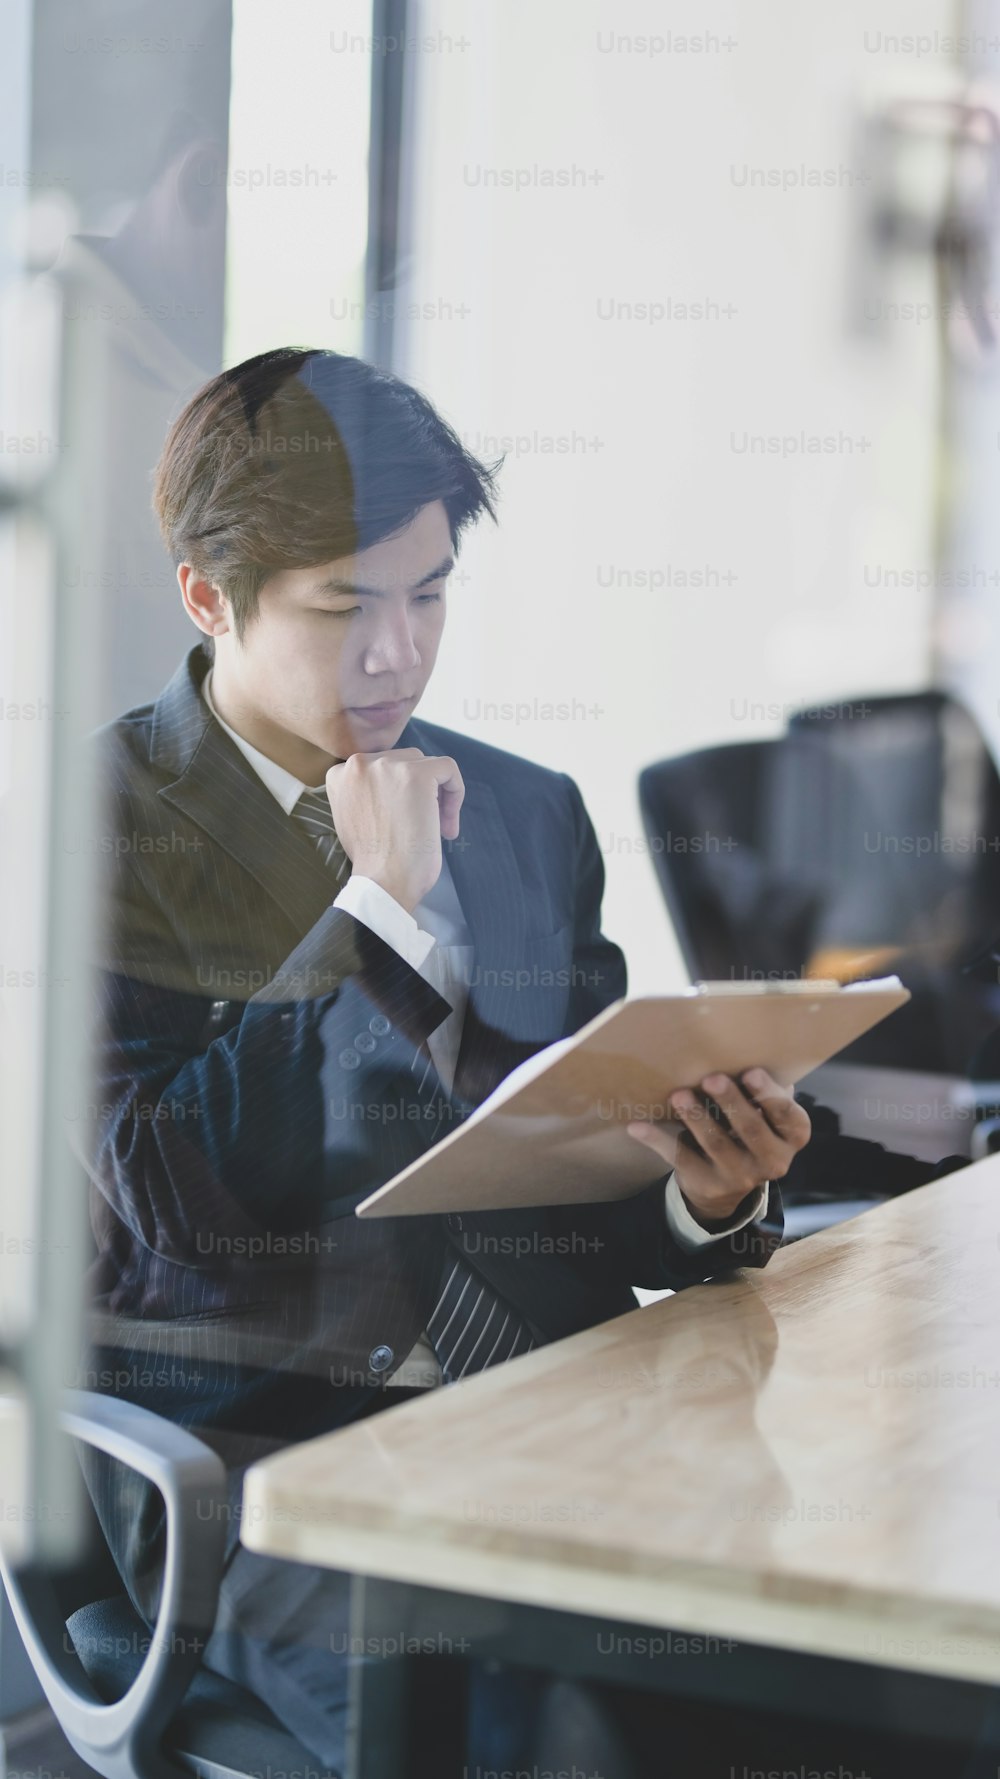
[393, 649]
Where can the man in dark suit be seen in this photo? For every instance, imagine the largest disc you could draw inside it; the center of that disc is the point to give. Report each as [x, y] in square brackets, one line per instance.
[331, 930]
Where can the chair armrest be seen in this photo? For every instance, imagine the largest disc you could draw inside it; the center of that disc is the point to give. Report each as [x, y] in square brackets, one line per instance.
[125, 1738]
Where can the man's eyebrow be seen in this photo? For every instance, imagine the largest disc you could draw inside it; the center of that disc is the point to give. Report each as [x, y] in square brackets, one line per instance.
[355, 588]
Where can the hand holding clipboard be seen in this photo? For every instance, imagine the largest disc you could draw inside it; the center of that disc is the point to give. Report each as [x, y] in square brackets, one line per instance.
[556, 1130]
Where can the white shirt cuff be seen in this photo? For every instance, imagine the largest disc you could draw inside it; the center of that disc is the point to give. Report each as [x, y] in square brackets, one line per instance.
[689, 1233]
[383, 915]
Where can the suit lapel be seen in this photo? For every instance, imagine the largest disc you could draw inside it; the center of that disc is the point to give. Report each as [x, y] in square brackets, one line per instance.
[490, 888]
[219, 790]
[222, 793]
[485, 870]
[491, 891]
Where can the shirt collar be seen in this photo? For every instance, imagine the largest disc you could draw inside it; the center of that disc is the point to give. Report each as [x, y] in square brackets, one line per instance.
[283, 785]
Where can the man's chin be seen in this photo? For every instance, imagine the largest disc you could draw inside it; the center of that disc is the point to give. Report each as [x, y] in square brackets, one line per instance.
[372, 744]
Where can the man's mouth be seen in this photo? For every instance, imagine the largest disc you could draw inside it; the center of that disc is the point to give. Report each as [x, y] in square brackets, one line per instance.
[381, 713]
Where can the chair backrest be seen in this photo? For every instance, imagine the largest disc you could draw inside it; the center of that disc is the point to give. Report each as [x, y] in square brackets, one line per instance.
[931, 804]
[740, 838]
[869, 828]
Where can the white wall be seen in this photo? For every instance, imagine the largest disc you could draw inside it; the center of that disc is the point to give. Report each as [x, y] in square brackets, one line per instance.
[650, 416]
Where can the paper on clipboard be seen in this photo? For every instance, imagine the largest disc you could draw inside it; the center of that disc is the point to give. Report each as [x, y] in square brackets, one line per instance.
[553, 1131]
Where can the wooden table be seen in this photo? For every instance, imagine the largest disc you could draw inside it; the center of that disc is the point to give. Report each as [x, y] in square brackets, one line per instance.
[806, 1459]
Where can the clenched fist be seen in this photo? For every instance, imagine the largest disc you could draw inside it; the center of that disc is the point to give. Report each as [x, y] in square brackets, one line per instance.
[391, 811]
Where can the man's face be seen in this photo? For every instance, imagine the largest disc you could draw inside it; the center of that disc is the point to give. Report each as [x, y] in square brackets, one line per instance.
[339, 655]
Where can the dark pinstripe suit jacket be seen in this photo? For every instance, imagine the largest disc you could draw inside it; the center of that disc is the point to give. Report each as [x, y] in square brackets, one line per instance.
[261, 1065]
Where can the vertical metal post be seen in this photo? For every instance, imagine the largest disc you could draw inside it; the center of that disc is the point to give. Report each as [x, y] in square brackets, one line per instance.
[392, 20]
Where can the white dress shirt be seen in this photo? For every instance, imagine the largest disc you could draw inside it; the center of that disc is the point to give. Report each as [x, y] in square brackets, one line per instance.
[435, 941]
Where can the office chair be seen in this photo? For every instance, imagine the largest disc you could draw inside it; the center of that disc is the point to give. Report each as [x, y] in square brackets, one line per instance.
[134, 1703]
[932, 793]
[807, 855]
[869, 834]
[740, 839]
[922, 844]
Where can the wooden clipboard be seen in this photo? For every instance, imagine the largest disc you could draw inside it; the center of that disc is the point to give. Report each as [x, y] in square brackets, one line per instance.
[554, 1133]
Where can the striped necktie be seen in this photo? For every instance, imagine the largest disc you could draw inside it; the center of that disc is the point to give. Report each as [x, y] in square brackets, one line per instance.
[470, 1328]
[312, 812]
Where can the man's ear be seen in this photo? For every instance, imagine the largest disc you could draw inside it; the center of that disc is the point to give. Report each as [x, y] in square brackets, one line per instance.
[205, 603]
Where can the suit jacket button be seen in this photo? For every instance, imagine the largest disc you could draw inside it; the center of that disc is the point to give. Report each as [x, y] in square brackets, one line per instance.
[378, 1024]
[349, 1059]
[380, 1359]
[365, 1043]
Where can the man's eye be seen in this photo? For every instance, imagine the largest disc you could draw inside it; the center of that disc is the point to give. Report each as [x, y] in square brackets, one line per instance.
[347, 612]
[428, 599]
